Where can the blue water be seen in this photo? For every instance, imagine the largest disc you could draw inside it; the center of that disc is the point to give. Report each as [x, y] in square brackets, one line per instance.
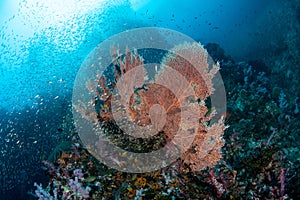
[43, 44]
[40, 45]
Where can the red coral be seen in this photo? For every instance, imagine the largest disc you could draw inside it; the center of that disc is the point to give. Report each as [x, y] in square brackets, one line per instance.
[164, 104]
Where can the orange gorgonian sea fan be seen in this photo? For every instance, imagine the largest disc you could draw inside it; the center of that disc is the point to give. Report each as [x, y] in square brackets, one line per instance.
[179, 90]
[205, 150]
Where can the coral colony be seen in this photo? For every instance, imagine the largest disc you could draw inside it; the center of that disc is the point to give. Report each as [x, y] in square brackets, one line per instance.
[80, 176]
[257, 156]
[144, 106]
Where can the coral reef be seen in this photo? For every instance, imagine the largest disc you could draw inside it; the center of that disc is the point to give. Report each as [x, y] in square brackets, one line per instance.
[260, 155]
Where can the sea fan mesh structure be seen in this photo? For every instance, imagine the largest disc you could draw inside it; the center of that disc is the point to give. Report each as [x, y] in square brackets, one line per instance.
[205, 150]
[172, 108]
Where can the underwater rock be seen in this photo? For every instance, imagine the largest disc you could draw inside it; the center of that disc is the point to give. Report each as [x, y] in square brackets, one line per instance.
[217, 53]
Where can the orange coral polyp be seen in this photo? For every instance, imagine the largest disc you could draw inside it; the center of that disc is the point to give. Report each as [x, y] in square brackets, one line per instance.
[141, 182]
